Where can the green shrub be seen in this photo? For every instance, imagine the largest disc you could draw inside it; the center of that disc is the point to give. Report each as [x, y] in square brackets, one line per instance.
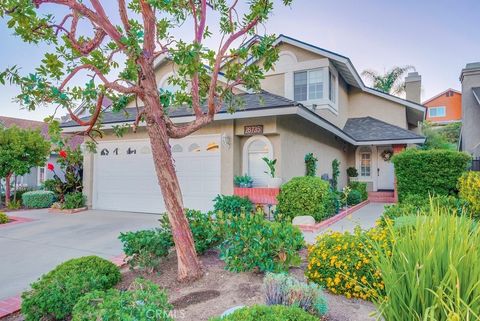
[143, 300]
[424, 172]
[205, 230]
[354, 197]
[253, 243]
[310, 165]
[53, 296]
[232, 204]
[433, 273]
[282, 289]
[335, 173]
[22, 190]
[74, 200]
[361, 187]
[38, 199]
[268, 313]
[243, 181]
[145, 249]
[4, 218]
[415, 204]
[306, 196]
[469, 190]
[342, 263]
[352, 172]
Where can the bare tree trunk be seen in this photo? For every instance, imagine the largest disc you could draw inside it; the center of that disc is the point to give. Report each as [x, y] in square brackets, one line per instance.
[15, 190]
[189, 266]
[7, 189]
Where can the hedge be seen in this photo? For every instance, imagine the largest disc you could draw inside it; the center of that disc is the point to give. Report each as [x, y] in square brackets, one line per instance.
[469, 190]
[38, 199]
[424, 172]
[268, 313]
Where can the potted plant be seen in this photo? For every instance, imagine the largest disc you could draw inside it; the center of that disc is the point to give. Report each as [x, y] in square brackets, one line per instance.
[243, 181]
[352, 173]
[274, 182]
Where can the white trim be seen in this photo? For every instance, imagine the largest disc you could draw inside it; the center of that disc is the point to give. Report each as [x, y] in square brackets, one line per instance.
[44, 174]
[373, 167]
[392, 142]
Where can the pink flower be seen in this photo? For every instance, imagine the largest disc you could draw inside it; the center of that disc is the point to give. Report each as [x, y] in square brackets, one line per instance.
[50, 167]
[63, 154]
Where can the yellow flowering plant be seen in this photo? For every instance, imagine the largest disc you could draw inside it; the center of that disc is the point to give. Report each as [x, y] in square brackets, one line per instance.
[342, 263]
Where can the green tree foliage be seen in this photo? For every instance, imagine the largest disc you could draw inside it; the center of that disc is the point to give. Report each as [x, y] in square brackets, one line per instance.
[390, 82]
[117, 60]
[437, 138]
[20, 150]
[425, 172]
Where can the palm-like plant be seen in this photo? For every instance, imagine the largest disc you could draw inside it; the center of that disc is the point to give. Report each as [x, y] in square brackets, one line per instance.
[391, 82]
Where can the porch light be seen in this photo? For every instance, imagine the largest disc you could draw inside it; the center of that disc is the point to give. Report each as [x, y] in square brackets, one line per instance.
[226, 140]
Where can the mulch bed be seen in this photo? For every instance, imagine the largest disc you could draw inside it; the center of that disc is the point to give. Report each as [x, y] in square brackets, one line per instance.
[220, 290]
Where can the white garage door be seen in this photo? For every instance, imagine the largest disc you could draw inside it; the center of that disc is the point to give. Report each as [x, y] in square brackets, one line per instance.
[125, 178]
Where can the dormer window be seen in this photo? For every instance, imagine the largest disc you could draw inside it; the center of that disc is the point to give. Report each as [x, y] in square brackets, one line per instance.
[317, 87]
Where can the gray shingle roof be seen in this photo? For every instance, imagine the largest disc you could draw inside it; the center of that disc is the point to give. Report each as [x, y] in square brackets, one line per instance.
[371, 129]
[254, 101]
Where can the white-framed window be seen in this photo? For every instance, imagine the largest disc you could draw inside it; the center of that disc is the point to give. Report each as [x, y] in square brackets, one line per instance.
[365, 164]
[41, 177]
[440, 111]
[317, 86]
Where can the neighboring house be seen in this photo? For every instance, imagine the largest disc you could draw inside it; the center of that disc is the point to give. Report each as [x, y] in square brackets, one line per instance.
[37, 175]
[314, 101]
[445, 107]
[470, 79]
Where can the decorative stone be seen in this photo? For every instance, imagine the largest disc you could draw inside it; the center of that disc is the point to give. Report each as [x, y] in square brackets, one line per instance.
[303, 220]
[231, 310]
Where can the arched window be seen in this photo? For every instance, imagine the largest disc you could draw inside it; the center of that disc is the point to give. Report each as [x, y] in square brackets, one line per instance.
[254, 150]
[177, 148]
[365, 162]
[165, 85]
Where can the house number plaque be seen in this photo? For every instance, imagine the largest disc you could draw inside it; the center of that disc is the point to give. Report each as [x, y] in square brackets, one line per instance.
[253, 130]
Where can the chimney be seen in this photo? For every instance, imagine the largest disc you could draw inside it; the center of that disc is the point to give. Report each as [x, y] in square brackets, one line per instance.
[413, 86]
[470, 79]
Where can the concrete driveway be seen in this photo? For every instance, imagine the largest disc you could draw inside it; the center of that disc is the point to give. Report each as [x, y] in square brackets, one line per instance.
[30, 249]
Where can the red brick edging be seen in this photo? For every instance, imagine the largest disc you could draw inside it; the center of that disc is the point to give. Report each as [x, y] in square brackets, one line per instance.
[326, 223]
[12, 305]
[16, 220]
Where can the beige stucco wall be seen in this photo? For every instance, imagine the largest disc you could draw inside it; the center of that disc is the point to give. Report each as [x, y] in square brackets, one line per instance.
[362, 104]
[301, 54]
[274, 84]
[299, 137]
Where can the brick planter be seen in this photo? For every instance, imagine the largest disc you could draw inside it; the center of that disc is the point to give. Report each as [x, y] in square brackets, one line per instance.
[65, 211]
[14, 220]
[258, 195]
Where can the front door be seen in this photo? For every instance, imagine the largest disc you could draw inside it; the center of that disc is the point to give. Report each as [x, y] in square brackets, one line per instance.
[385, 171]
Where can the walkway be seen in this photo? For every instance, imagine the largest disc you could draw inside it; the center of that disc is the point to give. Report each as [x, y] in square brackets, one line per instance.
[364, 217]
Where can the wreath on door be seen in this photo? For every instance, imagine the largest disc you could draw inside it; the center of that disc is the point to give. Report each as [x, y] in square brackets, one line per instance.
[387, 155]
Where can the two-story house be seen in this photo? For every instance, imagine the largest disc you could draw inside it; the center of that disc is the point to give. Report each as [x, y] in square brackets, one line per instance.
[444, 108]
[313, 102]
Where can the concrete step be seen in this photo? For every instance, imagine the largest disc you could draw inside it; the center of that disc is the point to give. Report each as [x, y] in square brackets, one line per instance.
[381, 197]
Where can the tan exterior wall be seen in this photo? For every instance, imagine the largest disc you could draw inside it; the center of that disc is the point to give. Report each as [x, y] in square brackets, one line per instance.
[274, 84]
[302, 54]
[299, 137]
[362, 104]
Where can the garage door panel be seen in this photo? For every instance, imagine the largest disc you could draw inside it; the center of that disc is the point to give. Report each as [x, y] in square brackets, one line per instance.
[128, 182]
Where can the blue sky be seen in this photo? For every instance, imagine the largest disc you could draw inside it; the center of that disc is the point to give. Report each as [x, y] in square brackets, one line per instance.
[438, 37]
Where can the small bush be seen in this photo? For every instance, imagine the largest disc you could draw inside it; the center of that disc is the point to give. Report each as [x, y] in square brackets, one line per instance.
[143, 300]
[469, 190]
[232, 204]
[306, 196]
[253, 243]
[352, 172]
[206, 233]
[38, 199]
[310, 165]
[53, 296]
[414, 204]
[145, 249]
[361, 187]
[342, 263]
[354, 197]
[4, 218]
[433, 272]
[74, 200]
[282, 289]
[268, 313]
[425, 172]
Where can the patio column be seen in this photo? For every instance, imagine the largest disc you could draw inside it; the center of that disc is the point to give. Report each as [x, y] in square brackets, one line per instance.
[397, 149]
